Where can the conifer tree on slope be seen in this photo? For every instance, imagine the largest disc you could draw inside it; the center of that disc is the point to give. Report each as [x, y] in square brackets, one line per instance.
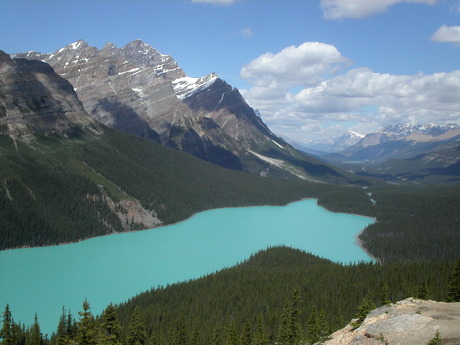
[136, 334]
[65, 330]
[35, 335]
[245, 336]
[110, 328]
[87, 331]
[6, 333]
[181, 332]
[260, 336]
[453, 294]
[290, 331]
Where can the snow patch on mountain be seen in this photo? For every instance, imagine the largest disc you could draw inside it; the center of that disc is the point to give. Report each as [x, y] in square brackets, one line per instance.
[278, 144]
[187, 86]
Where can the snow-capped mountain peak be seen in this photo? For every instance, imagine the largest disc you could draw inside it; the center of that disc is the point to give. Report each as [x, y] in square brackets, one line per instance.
[74, 46]
[187, 86]
[408, 129]
[348, 139]
[355, 134]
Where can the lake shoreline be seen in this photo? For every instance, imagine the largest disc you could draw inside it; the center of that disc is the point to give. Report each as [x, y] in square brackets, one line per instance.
[157, 227]
[358, 241]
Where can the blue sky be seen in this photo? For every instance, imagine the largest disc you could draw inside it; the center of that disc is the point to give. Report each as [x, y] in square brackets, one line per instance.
[314, 69]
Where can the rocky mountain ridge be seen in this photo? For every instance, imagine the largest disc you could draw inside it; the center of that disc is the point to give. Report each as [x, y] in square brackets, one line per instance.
[34, 99]
[140, 91]
[409, 322]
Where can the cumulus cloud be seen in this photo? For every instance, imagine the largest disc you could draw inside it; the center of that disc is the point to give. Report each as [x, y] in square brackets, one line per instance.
[216, 2]
[307, 104]
[336, 9]
[302, 65]
[417, 96]
[446, 33]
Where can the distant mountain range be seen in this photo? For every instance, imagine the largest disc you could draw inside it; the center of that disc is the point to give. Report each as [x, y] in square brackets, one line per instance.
[140, 91]
[419, 153]
[328, 145]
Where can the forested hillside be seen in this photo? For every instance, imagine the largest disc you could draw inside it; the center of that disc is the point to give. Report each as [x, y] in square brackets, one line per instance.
[415, 223]
[58, 189]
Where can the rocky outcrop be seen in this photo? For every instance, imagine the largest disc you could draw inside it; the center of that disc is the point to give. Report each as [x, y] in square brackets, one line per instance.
[138, 90]
[130, 212]
[33, 98]
[408, 322]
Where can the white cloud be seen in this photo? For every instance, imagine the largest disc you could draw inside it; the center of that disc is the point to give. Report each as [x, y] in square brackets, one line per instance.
[420, 96]
[446, 33]
[297, 100]
[302, 65]
[216, 2]
[336, 9]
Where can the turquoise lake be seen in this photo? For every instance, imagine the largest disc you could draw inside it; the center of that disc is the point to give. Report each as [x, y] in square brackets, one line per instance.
[116, 267]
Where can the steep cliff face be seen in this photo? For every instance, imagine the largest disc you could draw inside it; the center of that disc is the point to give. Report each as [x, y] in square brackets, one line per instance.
[33, 98]
[140, 91]
[408, 322]
[126, 89]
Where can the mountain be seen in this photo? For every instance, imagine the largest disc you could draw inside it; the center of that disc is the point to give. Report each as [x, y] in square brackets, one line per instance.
[140, 91]
[34, 99]
[400, 141]
[346, 140]
[418, 153]
[66, 177]
[327, 145]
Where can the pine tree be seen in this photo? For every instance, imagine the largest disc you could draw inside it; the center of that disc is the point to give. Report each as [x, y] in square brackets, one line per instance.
[363, 309]
[19, 334]
[87, 330]
[245, 337]
[437, 340]
[181, 332]
[260, 336]
[313, 327]
[6, 333]
[384, 299]
[136, 334]
[35, 336]
[324, 328]
[453, 294]
[424, 291]
[110, 327]
[231, 335]
[290, 331]
[62, 336]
